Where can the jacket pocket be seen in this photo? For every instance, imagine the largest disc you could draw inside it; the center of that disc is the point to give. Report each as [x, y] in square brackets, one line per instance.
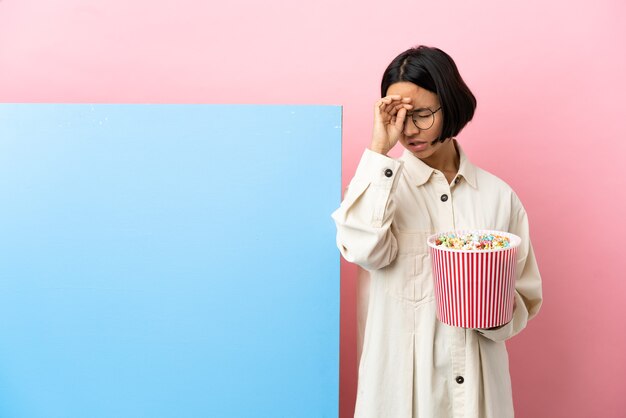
[409, 277]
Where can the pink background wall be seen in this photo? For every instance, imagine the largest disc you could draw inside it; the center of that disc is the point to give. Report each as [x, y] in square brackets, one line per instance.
[549, 78]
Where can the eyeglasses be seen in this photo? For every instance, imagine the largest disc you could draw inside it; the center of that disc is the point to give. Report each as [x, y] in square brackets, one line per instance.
[424, 118]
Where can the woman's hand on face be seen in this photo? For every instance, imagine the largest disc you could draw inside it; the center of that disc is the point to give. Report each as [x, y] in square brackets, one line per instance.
[389, 116]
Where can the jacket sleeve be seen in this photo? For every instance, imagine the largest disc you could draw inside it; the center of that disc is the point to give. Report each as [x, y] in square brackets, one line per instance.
[364, 218]
[528, 293]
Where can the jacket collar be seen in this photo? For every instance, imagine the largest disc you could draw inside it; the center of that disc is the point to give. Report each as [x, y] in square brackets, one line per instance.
[420, 172]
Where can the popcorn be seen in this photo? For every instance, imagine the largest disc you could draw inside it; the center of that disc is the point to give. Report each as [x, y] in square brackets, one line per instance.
[474, 272]
[473, 241]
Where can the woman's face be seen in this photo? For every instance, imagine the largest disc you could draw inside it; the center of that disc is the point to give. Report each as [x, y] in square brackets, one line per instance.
[419, 141]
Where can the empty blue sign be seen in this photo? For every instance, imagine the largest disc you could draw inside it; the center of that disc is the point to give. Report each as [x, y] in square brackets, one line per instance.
[169, 261]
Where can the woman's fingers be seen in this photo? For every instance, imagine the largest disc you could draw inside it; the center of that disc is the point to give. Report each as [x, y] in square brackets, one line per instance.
[386, 105]
[389, 116]
[399, 119]
[388, 100]
[397, 107]
[392, 108]
[382, 103]
[392, 97]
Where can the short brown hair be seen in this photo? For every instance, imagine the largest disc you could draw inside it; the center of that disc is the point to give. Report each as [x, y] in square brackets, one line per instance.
[435, 71]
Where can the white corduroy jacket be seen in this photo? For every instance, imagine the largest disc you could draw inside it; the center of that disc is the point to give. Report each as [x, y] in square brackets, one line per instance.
[412, 365]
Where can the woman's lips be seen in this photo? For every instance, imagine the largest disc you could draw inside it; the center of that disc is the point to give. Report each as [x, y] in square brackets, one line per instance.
[417, 146]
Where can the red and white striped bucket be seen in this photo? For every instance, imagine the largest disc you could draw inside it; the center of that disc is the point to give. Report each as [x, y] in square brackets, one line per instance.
[474, 288]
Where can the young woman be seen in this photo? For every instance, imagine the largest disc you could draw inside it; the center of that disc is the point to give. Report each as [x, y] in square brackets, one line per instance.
[412, 365]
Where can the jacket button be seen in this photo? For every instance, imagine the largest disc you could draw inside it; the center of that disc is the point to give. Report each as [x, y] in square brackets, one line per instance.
[459, 379]
[388, 172]
[444, 197]
[456, 180]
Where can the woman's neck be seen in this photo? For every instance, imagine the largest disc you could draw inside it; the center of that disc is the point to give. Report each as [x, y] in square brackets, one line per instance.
[446, 159]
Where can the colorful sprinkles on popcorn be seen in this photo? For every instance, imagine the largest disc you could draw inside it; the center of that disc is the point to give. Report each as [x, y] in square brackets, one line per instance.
[471, 241]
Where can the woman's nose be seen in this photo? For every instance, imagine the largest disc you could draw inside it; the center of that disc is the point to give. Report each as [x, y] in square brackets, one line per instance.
[409, 127]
